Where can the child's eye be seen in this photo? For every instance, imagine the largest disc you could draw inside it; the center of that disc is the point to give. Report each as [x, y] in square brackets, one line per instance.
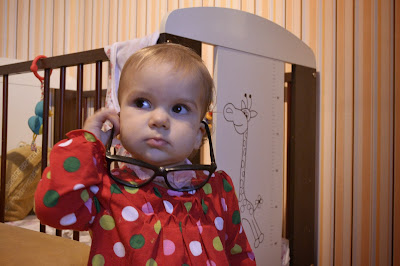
[142, 103]
[180, 109]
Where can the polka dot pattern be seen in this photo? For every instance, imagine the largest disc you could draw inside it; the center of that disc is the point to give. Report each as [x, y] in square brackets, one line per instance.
[98, 260]
[169, 247]
[195, 248]
[89, 137]
[130, 214]
[152, 221]
[119, 249]
[219, 223]
[72, 164]
[217, 244]
[107, 222]
[51, 198]
[68, 219]
[137, 241]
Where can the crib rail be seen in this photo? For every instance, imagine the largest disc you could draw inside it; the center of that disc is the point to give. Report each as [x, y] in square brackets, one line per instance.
[78, 60]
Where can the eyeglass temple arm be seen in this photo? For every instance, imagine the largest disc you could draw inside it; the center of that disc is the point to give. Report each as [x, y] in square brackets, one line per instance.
[210, 141]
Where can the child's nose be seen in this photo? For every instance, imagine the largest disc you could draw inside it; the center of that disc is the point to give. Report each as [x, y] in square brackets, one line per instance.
[159, 118]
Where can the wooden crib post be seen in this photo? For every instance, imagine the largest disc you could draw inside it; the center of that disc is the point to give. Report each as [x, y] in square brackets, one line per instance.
[45, 139]
[4, 148]
[97, 101]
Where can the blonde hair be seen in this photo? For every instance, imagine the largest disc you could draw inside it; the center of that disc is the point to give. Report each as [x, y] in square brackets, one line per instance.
[183, 60]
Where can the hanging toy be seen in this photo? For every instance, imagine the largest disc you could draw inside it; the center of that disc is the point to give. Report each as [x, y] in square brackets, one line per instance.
[35, 122]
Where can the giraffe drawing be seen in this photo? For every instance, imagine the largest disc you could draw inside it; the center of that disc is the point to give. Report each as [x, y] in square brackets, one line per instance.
[240, 117]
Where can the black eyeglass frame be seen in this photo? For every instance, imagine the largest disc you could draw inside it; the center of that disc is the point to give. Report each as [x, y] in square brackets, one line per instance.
[160, 170]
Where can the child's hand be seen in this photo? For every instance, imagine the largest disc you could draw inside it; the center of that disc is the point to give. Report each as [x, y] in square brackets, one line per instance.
[95, 122]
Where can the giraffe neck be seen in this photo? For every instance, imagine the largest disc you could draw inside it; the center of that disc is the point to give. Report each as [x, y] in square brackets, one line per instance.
[243, 166]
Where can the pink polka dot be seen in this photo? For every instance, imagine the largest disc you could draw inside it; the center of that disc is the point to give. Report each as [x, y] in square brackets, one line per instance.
[251, 255]
[199, 226]
[224, 207]
[210, 263]
[169, 247]
[147, 208]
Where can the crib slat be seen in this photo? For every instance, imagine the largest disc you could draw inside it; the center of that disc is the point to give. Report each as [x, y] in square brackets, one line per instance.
[45, 129]
[61, 105]
[97, 101]
[4, 148]
[79, 88]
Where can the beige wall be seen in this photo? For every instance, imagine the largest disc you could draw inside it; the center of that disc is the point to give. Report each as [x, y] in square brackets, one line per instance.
[357, 48]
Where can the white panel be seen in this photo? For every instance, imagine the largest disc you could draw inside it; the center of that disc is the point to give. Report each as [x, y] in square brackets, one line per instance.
[249, 142]
[240, 31]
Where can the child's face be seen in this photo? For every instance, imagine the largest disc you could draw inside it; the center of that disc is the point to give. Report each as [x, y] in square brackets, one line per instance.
[160, 115]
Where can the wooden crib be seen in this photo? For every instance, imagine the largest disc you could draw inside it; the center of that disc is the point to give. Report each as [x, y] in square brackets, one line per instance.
[300, 97]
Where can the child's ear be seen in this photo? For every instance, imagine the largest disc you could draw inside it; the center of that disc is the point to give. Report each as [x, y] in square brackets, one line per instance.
[199, 136]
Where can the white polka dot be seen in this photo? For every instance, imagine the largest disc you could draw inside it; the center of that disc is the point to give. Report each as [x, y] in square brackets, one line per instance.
[68, 219]
[65, 144]
[92, 220]
[195, 248]
[241, 229]
[78, 186]
[192, 192]
[213, 175]
[168, 206]
[94, 161]
[169, 247]
[94, 189]
[219, 223]
[130, 214]
[119, 249]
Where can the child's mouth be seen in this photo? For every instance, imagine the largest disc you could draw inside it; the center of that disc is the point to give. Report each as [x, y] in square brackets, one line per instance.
[156, 142]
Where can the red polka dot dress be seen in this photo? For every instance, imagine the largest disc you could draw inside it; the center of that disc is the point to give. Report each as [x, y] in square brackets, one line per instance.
[151, 225]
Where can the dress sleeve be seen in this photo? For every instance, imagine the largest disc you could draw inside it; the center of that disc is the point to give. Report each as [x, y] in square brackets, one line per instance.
[66, 196]
[237, 248]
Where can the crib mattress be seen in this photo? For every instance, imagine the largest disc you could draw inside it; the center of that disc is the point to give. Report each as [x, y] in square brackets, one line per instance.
[20, 246]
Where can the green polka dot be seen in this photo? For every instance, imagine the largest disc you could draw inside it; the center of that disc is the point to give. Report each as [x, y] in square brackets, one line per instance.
[236, 249]
[236, 217]
[51, 198]
[97, 204]
[107, 222]
[157, 227]
[89, 137]
[85, 195]
[207, 188]
[188, 206]
[151, 262]
[72, 164]
[227, 186]
[185, 264]
[48, 175]
[115, 189]
[180, 226]
[217, 244]
[157, 192]
[98, 260]
[205, 207]
[137, 241]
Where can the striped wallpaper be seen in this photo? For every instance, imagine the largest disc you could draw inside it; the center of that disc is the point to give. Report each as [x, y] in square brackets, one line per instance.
[357, 46]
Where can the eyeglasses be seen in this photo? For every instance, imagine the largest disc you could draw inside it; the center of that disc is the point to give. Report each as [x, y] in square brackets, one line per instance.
[135, 173]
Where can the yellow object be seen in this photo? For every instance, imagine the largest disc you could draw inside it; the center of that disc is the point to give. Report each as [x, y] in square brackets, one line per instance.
[22, 176]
